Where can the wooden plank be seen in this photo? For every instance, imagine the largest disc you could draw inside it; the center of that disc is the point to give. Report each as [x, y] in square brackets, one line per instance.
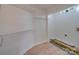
[65, 46]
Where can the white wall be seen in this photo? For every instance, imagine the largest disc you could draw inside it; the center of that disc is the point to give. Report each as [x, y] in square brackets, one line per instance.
[17, 43]
[15, 29]
[20, 30]
[14, 20]
[40, 29]
[64, 23]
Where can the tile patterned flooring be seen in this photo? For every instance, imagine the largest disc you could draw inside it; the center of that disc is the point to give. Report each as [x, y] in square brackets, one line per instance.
[46, 49]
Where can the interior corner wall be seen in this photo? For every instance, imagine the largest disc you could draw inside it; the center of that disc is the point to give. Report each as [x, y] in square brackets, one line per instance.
[40, 29]
[20, 30]
[63, 23]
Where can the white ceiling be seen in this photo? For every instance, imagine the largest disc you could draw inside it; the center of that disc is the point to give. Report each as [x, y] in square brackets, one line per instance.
[43, 8]
[49, 6]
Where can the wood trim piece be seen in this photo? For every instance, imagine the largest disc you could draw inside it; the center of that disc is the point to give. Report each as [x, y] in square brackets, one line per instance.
[65, 46]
